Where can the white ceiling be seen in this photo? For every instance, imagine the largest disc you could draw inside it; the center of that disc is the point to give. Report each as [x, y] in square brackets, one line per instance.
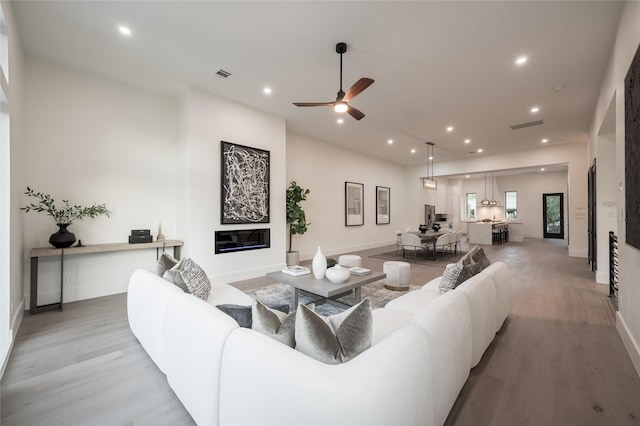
[435, 64]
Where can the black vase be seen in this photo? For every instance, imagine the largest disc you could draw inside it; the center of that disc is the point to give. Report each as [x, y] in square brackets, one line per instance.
[422, 228]
[63, 238]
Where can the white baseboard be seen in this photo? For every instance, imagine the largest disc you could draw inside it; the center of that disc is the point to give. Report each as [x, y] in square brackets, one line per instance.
[348, 249]
[16, 320]
[72, 294]
[602, 277]
[633, 349]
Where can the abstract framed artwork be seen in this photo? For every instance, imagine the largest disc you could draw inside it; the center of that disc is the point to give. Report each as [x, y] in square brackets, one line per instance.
[244, 184]
[383, 206]
[353, 204]
[632, 152]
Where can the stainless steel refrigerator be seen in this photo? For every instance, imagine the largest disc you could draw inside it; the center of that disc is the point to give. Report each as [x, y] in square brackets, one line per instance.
[429, 215]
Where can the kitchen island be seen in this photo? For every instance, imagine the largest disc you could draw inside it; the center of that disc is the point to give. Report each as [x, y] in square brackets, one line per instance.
[482, 232]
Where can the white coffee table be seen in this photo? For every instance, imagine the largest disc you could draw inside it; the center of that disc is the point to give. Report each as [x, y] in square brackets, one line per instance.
[325, 288]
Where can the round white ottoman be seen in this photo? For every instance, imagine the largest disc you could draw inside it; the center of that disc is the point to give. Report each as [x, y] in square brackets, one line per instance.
[349, 260]
[398, 275]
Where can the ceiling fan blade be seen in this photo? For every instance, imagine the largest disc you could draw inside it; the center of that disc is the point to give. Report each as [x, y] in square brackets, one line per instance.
[358, 87]
[310, 104]
[355, 113]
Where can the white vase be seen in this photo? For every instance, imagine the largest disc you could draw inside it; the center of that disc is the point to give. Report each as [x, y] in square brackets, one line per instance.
[337, 274]
[319, 265]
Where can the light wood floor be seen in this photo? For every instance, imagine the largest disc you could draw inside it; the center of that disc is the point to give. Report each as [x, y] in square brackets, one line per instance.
[558, 360]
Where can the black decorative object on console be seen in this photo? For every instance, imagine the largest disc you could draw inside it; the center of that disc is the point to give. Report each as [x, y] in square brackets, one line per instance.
[63, 238]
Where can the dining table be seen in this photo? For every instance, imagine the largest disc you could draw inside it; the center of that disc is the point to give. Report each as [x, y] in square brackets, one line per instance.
[428, 237]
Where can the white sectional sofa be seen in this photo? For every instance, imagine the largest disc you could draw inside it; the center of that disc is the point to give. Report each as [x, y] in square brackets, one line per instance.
[424, 344]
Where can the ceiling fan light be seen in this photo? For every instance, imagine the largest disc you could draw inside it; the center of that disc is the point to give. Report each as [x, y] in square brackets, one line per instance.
[340, 107]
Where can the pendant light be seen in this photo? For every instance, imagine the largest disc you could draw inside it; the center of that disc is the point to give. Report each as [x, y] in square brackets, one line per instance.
[492, 202]
[485, 202]
[429, 182]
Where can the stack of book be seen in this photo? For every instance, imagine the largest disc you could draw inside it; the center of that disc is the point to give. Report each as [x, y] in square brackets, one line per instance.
[356, 270]
[296, 270]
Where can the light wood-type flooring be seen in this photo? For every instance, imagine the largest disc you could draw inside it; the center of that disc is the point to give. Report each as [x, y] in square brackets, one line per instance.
[558, 360]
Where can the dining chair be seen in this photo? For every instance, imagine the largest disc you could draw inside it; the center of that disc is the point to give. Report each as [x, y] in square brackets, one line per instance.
[443, 243]
[412, 245]
[457, 244]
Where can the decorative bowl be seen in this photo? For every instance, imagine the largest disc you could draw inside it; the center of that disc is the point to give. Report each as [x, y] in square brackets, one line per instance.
[337, 274]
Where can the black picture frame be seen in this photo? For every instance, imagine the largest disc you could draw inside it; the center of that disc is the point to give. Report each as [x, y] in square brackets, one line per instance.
[244, 184]
[353, 204]
[383, 205]
[632, 152]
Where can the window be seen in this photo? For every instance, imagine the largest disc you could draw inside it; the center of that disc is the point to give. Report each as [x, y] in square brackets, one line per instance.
[471, 205]
[511, 204]
[4, 46]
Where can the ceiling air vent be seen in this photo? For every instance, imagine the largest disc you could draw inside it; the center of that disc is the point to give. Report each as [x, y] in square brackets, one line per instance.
[529, 124]
[223, 73]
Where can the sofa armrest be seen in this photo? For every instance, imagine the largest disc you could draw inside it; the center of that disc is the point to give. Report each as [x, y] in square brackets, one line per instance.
[483, 305]
[265, 382]
[194, 339]
[501, 275]
[148, 298]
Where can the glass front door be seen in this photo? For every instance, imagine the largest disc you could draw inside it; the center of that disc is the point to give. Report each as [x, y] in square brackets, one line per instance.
[553, 215]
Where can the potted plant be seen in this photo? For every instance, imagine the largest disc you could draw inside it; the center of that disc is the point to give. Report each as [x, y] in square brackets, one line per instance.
[63, 216]
[296, 218]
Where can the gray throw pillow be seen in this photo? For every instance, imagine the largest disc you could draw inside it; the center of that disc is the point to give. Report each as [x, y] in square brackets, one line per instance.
[467, 272]
[335, 339]
[449, 278]
[274, 323]
[481, 258]
[190, 277]
[243, 315]
[164, 262]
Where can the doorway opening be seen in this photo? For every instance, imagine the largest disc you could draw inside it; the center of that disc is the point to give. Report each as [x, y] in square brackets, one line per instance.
[553, 215]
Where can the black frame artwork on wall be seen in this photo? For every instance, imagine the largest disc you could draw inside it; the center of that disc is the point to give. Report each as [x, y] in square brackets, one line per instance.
[383, 205]
[632, 151]
[244, 184]
[353, 204]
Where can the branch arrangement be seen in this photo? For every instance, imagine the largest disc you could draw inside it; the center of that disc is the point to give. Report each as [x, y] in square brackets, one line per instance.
[66, 214]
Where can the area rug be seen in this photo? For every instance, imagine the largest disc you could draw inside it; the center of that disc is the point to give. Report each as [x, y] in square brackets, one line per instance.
[282, 293]
[442, 259]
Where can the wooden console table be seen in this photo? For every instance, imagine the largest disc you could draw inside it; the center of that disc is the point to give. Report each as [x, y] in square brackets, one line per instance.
[37, 253]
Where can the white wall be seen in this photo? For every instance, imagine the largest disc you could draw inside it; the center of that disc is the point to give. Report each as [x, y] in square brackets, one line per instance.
[324, 169]
[572, 155]
[92, 140]
[626, 44]
[205, 121]
[12, 184]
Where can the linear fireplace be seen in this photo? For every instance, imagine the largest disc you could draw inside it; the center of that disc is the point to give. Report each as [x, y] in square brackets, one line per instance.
[242, 240]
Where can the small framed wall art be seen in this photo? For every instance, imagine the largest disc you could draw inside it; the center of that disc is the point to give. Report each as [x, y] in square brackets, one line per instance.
[383, 205]
[353, 204]
[244, 184]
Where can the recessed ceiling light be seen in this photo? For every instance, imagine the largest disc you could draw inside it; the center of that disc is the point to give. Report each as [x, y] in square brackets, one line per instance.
[340, 121]
[267, 90]
[450, 129]
[467, 141]
[390, 141]
[124, 30]
[521, 60]
[467, 176]
[413, 151]
[542, 169]
[431, 157]
[545, 140]
[480, 150]
[535, 109]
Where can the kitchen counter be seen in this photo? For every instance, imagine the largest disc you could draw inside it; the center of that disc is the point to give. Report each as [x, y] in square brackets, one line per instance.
[481, 232]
